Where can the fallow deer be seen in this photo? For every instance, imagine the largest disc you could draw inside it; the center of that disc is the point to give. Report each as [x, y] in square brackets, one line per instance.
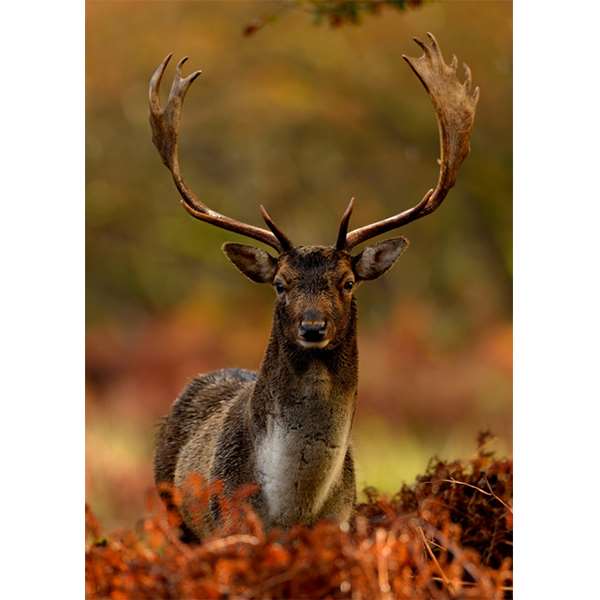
[287, 427]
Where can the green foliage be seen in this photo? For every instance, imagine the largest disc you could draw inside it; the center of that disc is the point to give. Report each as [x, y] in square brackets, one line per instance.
[341, 12]
[334, 12]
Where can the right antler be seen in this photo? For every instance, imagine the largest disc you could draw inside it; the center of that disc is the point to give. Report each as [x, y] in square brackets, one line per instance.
[165, 131]
[454, 105]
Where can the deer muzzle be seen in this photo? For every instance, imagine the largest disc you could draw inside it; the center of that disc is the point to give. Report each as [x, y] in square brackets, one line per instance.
[312, 331]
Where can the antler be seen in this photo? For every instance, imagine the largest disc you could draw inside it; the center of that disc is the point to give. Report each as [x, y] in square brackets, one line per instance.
[454, 106]
[165, 130]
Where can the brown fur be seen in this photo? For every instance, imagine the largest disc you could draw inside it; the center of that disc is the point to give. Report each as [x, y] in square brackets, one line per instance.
[286, 427]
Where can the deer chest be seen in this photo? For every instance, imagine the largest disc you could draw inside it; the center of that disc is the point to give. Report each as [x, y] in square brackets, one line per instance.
[297, 469]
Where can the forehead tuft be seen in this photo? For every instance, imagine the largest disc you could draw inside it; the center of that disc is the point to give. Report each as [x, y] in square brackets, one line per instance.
[314, 260]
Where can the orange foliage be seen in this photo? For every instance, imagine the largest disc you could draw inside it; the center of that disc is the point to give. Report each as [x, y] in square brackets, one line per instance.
[447, 536]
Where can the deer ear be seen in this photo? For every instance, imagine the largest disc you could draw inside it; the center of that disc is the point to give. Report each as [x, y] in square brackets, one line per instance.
[257, 265]
[375, 260]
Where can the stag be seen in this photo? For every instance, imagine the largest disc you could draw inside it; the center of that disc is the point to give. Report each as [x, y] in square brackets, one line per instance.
[287, 427]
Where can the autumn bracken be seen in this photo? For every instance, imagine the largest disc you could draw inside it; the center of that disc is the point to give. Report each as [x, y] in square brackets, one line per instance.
[449, 535]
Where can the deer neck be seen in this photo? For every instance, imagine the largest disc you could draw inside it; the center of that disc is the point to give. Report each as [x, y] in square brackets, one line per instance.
[301, 413]
[294, 383]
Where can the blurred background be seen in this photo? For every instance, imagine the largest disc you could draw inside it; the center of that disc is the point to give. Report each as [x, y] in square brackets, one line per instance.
[299, 116]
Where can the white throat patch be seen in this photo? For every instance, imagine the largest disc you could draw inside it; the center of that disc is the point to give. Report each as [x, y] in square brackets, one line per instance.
[283, 469]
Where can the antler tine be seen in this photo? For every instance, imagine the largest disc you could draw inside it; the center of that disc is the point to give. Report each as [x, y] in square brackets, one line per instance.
[285, 242]
[165, 131]
[343, 229]
[454, 106]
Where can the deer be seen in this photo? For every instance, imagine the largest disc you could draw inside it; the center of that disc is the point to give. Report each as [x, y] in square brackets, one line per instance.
[287, 427]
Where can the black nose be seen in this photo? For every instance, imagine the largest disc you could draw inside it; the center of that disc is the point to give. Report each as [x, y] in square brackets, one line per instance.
[312, 331]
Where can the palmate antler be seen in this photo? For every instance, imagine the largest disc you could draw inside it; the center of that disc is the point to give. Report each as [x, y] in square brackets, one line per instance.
[454, 105]
[165, 131]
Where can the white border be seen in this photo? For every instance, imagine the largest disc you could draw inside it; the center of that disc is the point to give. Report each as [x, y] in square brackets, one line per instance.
[42, 299]
[557, 298]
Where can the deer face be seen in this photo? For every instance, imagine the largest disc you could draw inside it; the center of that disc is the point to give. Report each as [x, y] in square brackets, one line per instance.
[314, 288]
[314, 285]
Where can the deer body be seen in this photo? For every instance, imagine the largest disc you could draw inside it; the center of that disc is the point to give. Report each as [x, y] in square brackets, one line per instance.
[287, 428]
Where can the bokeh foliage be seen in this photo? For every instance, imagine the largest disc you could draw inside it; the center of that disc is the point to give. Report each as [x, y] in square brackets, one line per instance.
[298, 117]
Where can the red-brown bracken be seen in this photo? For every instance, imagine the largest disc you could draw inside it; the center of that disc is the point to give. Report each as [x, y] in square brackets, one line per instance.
[447, 536]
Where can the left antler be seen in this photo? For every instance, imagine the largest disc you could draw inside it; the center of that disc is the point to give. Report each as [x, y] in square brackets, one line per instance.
[165, 132]
[454, 105]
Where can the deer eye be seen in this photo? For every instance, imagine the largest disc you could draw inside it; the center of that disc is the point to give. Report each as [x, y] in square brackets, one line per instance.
[279, 287]
[349, 285]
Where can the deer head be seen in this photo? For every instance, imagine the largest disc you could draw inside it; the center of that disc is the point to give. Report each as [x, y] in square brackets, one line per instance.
[314, 285]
